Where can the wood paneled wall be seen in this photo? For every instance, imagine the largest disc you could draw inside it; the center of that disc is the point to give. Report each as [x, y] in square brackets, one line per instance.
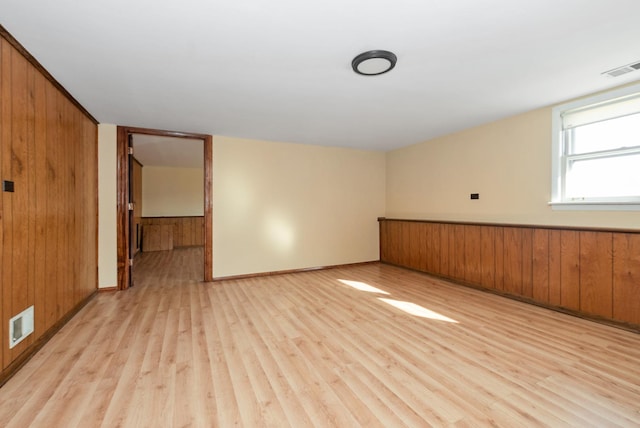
[591, 272]
[48, 234]
[187, 231]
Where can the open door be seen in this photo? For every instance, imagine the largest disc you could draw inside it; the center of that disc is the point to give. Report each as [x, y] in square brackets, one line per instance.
[132, 241]
[125, 214]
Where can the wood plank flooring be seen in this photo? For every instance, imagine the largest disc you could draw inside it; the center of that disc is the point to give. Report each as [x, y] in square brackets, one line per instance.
[322, 349]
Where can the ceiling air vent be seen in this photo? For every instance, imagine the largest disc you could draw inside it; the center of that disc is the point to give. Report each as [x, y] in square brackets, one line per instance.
[623, 70]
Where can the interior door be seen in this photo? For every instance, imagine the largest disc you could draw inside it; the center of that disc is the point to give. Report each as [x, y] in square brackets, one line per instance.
[131, 222]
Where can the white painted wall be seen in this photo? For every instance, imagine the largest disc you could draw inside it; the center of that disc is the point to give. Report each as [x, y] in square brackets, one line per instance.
[107, 206]
[172, 192]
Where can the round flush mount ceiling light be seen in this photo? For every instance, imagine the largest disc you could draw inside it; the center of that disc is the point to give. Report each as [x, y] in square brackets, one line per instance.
[372, 63]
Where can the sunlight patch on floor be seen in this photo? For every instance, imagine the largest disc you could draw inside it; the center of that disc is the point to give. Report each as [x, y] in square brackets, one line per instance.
[417, 310]
[362, 286]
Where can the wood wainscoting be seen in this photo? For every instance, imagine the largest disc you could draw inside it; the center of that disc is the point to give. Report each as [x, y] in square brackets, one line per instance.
[590, 272]
[187, 231]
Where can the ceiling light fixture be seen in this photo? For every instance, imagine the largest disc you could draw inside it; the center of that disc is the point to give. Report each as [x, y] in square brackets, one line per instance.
[373, 63]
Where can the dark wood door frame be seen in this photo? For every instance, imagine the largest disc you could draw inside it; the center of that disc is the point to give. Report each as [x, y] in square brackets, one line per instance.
[123, 198]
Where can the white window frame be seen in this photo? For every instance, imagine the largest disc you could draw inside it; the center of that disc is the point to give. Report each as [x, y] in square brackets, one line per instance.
[558, 165]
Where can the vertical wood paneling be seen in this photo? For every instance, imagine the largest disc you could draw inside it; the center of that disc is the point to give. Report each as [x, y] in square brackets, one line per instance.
[16, 168]
[570, 269]
[554, 267]
[51, 220]
[513, 260]
[473, 254]
[596, 273]
[61, 184]
[499, 262]
[540, 257]
[388, 242]
[76, 188]
[187, 231]
[421, 232]
[433, 243]
[405, 242]
[592, 272]
[457, 266]
[383, 240]
[626, 277]
[40, 153]
[444, 239]
[30, 175]
[527, 262]
[488, 256]
[394, 241]
[187, 227]
[68, 261]
[412, 244]
[48, 238]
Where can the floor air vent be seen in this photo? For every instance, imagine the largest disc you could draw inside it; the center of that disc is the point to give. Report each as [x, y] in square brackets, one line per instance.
[20, 326]
[623, 70]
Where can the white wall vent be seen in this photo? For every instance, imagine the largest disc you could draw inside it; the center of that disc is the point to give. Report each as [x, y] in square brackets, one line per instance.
[619, 71]
[20, 326]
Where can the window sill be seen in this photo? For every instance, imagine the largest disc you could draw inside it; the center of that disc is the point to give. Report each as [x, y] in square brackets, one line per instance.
[595, 206]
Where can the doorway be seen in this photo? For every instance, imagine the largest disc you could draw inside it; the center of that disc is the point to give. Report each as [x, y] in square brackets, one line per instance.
[125, 207]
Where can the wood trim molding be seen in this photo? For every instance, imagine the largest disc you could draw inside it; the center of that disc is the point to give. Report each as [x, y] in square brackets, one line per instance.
[172, 216]
[122, 201]
[165, 133]
[123, 197]
[25, 53]
[284, 272]
[16, 364]
[208, 208]
[107, 289]
[96, 230]
[526, 226]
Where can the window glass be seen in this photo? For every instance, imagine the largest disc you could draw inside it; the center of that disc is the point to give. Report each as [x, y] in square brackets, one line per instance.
[614, 177]
[606, 135]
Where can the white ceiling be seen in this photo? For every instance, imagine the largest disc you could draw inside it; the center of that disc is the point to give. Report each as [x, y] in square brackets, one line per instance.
[281, 69]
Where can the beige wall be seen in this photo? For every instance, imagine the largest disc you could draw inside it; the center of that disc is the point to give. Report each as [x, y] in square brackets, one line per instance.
[507, 162]
[107, 206]
[279, 206]
[172, 192]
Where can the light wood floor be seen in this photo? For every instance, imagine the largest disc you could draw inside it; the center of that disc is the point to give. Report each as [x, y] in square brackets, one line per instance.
[311, 350]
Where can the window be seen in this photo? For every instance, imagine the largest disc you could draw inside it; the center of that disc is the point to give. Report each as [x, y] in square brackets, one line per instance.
[596, 152]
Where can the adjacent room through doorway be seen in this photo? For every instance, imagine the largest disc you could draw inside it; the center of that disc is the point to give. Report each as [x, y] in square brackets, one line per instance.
[164, 188]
